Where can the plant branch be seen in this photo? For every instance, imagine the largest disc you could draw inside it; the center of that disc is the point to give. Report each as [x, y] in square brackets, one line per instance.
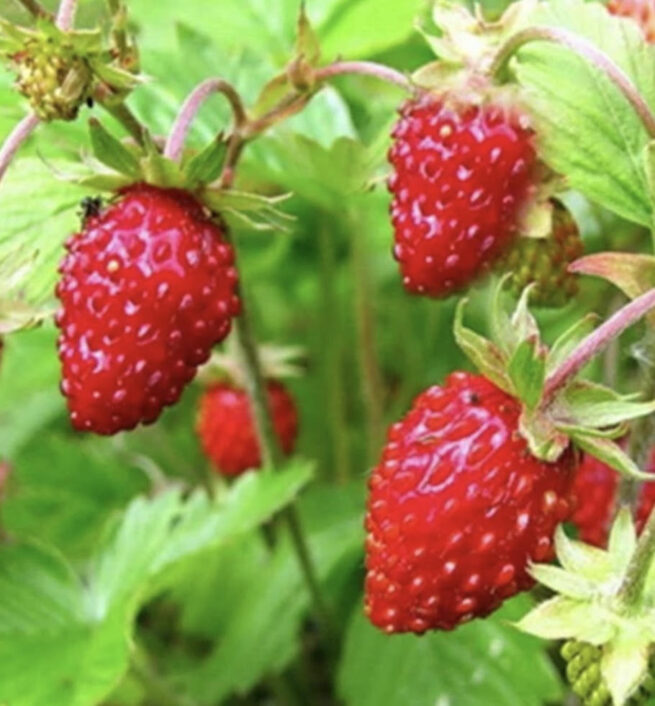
[126, 118]
[175, 143]
[35, 8]
[364, 68]
[640, 565]
[596, 341]
[66, 15]
[585, 50]
[15, 139]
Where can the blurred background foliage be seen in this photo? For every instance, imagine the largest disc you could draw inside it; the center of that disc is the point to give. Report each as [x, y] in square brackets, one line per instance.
[230, 625]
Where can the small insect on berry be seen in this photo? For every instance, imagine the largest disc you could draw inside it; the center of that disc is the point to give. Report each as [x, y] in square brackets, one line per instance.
[90, 206]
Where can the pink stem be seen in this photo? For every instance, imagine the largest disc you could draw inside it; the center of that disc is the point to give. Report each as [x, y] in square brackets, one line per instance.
[175, 143]
[596, 341]
[364, 68]
[16, 138]
[66, 15]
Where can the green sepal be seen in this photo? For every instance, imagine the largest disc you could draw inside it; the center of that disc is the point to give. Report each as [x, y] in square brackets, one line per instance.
[587, 404]
[271, 94]
[564, 582]
[256, 211]
[157, 169]
[104, 182]
[569, 340]
[584, 559]
[15, 34]
[307, 43]
[622, 540]
[624, 666]
[611, 454]
[632, 273]
[207, 165]
[486, 356]
[563, 618]
[527, 371]
[545, 440]
[111, 152]
[118, 79]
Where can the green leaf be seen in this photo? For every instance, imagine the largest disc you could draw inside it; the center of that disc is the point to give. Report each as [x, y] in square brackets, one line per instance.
[587, 130]
[256, 211]
[206, 166]
[75, 632]
[485, 355]
[527, 370]
[610, 453]
[474, 665]
[112, 152]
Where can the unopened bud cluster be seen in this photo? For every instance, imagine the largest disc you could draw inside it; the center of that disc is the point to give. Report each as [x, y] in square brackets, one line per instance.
[583, 672]
[54, 79]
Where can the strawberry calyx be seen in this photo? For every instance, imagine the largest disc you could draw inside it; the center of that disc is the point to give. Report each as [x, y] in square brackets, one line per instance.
[116, 165]
[59, 71]
[588, 414]
[611, 636]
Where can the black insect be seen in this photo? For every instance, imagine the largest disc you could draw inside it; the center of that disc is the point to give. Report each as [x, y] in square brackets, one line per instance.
[89, 102]
[90, 206]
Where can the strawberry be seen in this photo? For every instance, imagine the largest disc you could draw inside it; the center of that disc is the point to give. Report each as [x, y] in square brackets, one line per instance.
[594, 489]
[462, 172]
[457, 509]
[544, 262]
[642, 11]
[147, 288]
[226, 428]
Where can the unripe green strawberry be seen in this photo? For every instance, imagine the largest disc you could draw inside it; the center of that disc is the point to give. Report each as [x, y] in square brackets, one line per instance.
[583, 672]
[55, 79]
[544, 262]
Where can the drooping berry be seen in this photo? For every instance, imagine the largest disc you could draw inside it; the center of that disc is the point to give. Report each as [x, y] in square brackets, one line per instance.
[642, 11]
[457, 508]
[227, 431]
[147, 288]
[544, 262]
[583, 671]
[54, 78]
[461, 175]
[594, 490]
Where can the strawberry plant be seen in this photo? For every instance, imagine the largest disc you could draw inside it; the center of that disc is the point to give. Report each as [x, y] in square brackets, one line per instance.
[272, 433]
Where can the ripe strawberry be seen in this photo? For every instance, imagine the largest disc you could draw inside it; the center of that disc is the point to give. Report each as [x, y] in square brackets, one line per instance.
[227, 431]
[594, 490]
[544, 262]
[462, 173]
[457, 508]
[642, 11]
[147, 289]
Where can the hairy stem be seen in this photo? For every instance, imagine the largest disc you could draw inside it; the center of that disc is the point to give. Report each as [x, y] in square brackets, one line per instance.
[271, 453]
[585, 50]
[596, 342]
[366, 348]
[15, 139]
[364, 68]
[35, 8]
[66, 15]
[175, 143]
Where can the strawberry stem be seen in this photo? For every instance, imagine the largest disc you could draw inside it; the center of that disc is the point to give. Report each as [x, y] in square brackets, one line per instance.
[35, 8]
[596, 341]
[640, 565]
[271, 452]
[364, 68]
[175, 143]
[585, 50]
[15, 139]
[66, 15]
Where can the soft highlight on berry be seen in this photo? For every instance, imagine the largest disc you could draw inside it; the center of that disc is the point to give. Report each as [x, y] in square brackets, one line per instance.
[227, 431]
[457, 509]
[461, 175]
[147, 288]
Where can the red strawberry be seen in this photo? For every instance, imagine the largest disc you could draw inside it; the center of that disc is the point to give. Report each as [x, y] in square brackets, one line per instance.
[148, 287]
[462, 173]
[457, 508]
[595, 488]
[642, 11]
[227, 431]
